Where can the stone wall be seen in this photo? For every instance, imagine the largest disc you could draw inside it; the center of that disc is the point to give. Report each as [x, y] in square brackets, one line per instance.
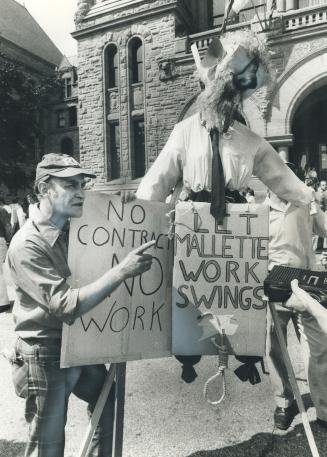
[167, 86]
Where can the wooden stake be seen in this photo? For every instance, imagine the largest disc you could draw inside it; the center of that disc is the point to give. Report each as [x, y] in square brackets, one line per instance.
[98, 410]
[295, 387]
[119, 410]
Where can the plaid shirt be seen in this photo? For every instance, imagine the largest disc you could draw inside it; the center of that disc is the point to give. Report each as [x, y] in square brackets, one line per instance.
[37, 258]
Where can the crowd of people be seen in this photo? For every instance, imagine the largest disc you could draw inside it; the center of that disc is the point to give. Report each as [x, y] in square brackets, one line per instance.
[13, 216]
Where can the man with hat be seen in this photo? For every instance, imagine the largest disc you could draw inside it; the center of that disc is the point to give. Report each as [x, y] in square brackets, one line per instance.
[37, 258]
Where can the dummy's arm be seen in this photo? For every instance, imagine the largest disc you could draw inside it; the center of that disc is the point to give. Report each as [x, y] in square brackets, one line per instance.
[165, 172]
[276, 175]
[320, 223]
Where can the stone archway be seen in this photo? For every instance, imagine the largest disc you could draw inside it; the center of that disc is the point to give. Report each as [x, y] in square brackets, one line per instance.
[293, 87]
[310, 133]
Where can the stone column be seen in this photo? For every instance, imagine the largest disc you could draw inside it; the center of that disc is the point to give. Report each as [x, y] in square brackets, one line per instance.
[283, 152]
[291, 5]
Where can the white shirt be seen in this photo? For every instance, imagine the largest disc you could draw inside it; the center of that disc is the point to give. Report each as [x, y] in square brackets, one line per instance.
[187, 157]
[290, 234]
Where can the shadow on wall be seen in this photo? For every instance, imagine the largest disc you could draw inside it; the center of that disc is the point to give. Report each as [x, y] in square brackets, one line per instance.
[11, 448]
[291, 444]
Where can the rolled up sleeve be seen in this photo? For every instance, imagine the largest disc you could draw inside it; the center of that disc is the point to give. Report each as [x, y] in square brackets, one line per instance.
[42, 282]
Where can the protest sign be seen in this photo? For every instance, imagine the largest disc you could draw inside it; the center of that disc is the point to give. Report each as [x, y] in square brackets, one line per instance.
[218, 279]
[134, 322]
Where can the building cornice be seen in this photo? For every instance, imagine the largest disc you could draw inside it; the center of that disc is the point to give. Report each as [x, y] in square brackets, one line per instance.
[123, 21]
[280, 140]
[298, 35]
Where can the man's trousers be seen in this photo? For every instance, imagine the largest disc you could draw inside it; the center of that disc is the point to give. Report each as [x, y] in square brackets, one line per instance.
[46, 388]
[314, 349]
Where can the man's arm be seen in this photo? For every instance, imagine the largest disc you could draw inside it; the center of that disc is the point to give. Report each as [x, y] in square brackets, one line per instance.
[135, 263]
[36, 275]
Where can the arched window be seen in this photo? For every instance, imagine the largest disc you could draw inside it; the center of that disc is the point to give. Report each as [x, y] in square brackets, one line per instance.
[139, 147]
[113, 159]
[136, 48]
[67, 146]
[112, 65]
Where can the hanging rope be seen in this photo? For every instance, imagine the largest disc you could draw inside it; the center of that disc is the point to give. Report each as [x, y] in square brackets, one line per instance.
[219, 377]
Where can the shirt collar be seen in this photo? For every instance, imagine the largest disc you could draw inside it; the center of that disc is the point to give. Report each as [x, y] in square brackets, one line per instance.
[48, 230]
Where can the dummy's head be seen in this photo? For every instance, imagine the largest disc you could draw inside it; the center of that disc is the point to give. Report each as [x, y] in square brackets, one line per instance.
[234, 67]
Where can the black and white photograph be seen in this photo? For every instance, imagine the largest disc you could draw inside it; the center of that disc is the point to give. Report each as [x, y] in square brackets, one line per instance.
[163, 228]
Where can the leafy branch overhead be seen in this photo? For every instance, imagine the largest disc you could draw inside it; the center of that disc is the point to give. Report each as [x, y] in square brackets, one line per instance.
[22, 99]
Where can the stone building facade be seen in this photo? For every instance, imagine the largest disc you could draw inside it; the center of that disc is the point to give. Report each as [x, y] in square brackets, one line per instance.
[125, 123]
[61, 120]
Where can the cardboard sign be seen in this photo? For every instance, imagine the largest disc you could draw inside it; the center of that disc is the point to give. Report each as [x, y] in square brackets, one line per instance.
[134, 322]
[218, 279]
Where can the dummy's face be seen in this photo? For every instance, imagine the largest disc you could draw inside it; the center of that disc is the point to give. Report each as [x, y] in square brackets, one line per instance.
[323, 185]
[67, 196]
[247, 78]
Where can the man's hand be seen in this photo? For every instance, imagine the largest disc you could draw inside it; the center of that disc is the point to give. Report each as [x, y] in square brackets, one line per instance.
[136, 262]
[300, 299]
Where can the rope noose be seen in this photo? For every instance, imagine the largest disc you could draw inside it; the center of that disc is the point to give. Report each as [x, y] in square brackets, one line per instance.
[222, 365]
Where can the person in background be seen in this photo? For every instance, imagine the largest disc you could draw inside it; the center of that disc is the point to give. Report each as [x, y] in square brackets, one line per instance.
[311, 173]
[321, 195]
[32, 202]
[21, 216]
[5, 237]
[321, 198]
[13, 217]
[290, 244]
[37, 258]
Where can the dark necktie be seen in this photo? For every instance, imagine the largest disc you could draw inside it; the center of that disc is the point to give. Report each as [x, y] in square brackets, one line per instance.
[218, 205]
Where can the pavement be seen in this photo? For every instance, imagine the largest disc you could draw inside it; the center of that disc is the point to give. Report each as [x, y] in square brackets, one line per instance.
[165, 417]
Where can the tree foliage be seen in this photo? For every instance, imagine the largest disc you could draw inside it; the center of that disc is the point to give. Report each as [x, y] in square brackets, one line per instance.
[22, 99]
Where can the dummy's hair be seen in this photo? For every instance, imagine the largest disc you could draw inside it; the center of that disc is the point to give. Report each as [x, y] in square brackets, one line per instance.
[255, 45]
[220, 99]
[219, 102]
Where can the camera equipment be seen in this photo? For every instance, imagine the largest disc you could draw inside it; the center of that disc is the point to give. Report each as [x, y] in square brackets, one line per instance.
[277, 285]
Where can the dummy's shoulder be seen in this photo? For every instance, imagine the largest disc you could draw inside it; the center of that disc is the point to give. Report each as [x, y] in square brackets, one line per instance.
[189, 122]
[246, 132]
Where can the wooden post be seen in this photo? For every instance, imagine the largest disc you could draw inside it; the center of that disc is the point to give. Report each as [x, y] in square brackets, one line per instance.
[119, 410]
[295, 387]
[98, 410]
